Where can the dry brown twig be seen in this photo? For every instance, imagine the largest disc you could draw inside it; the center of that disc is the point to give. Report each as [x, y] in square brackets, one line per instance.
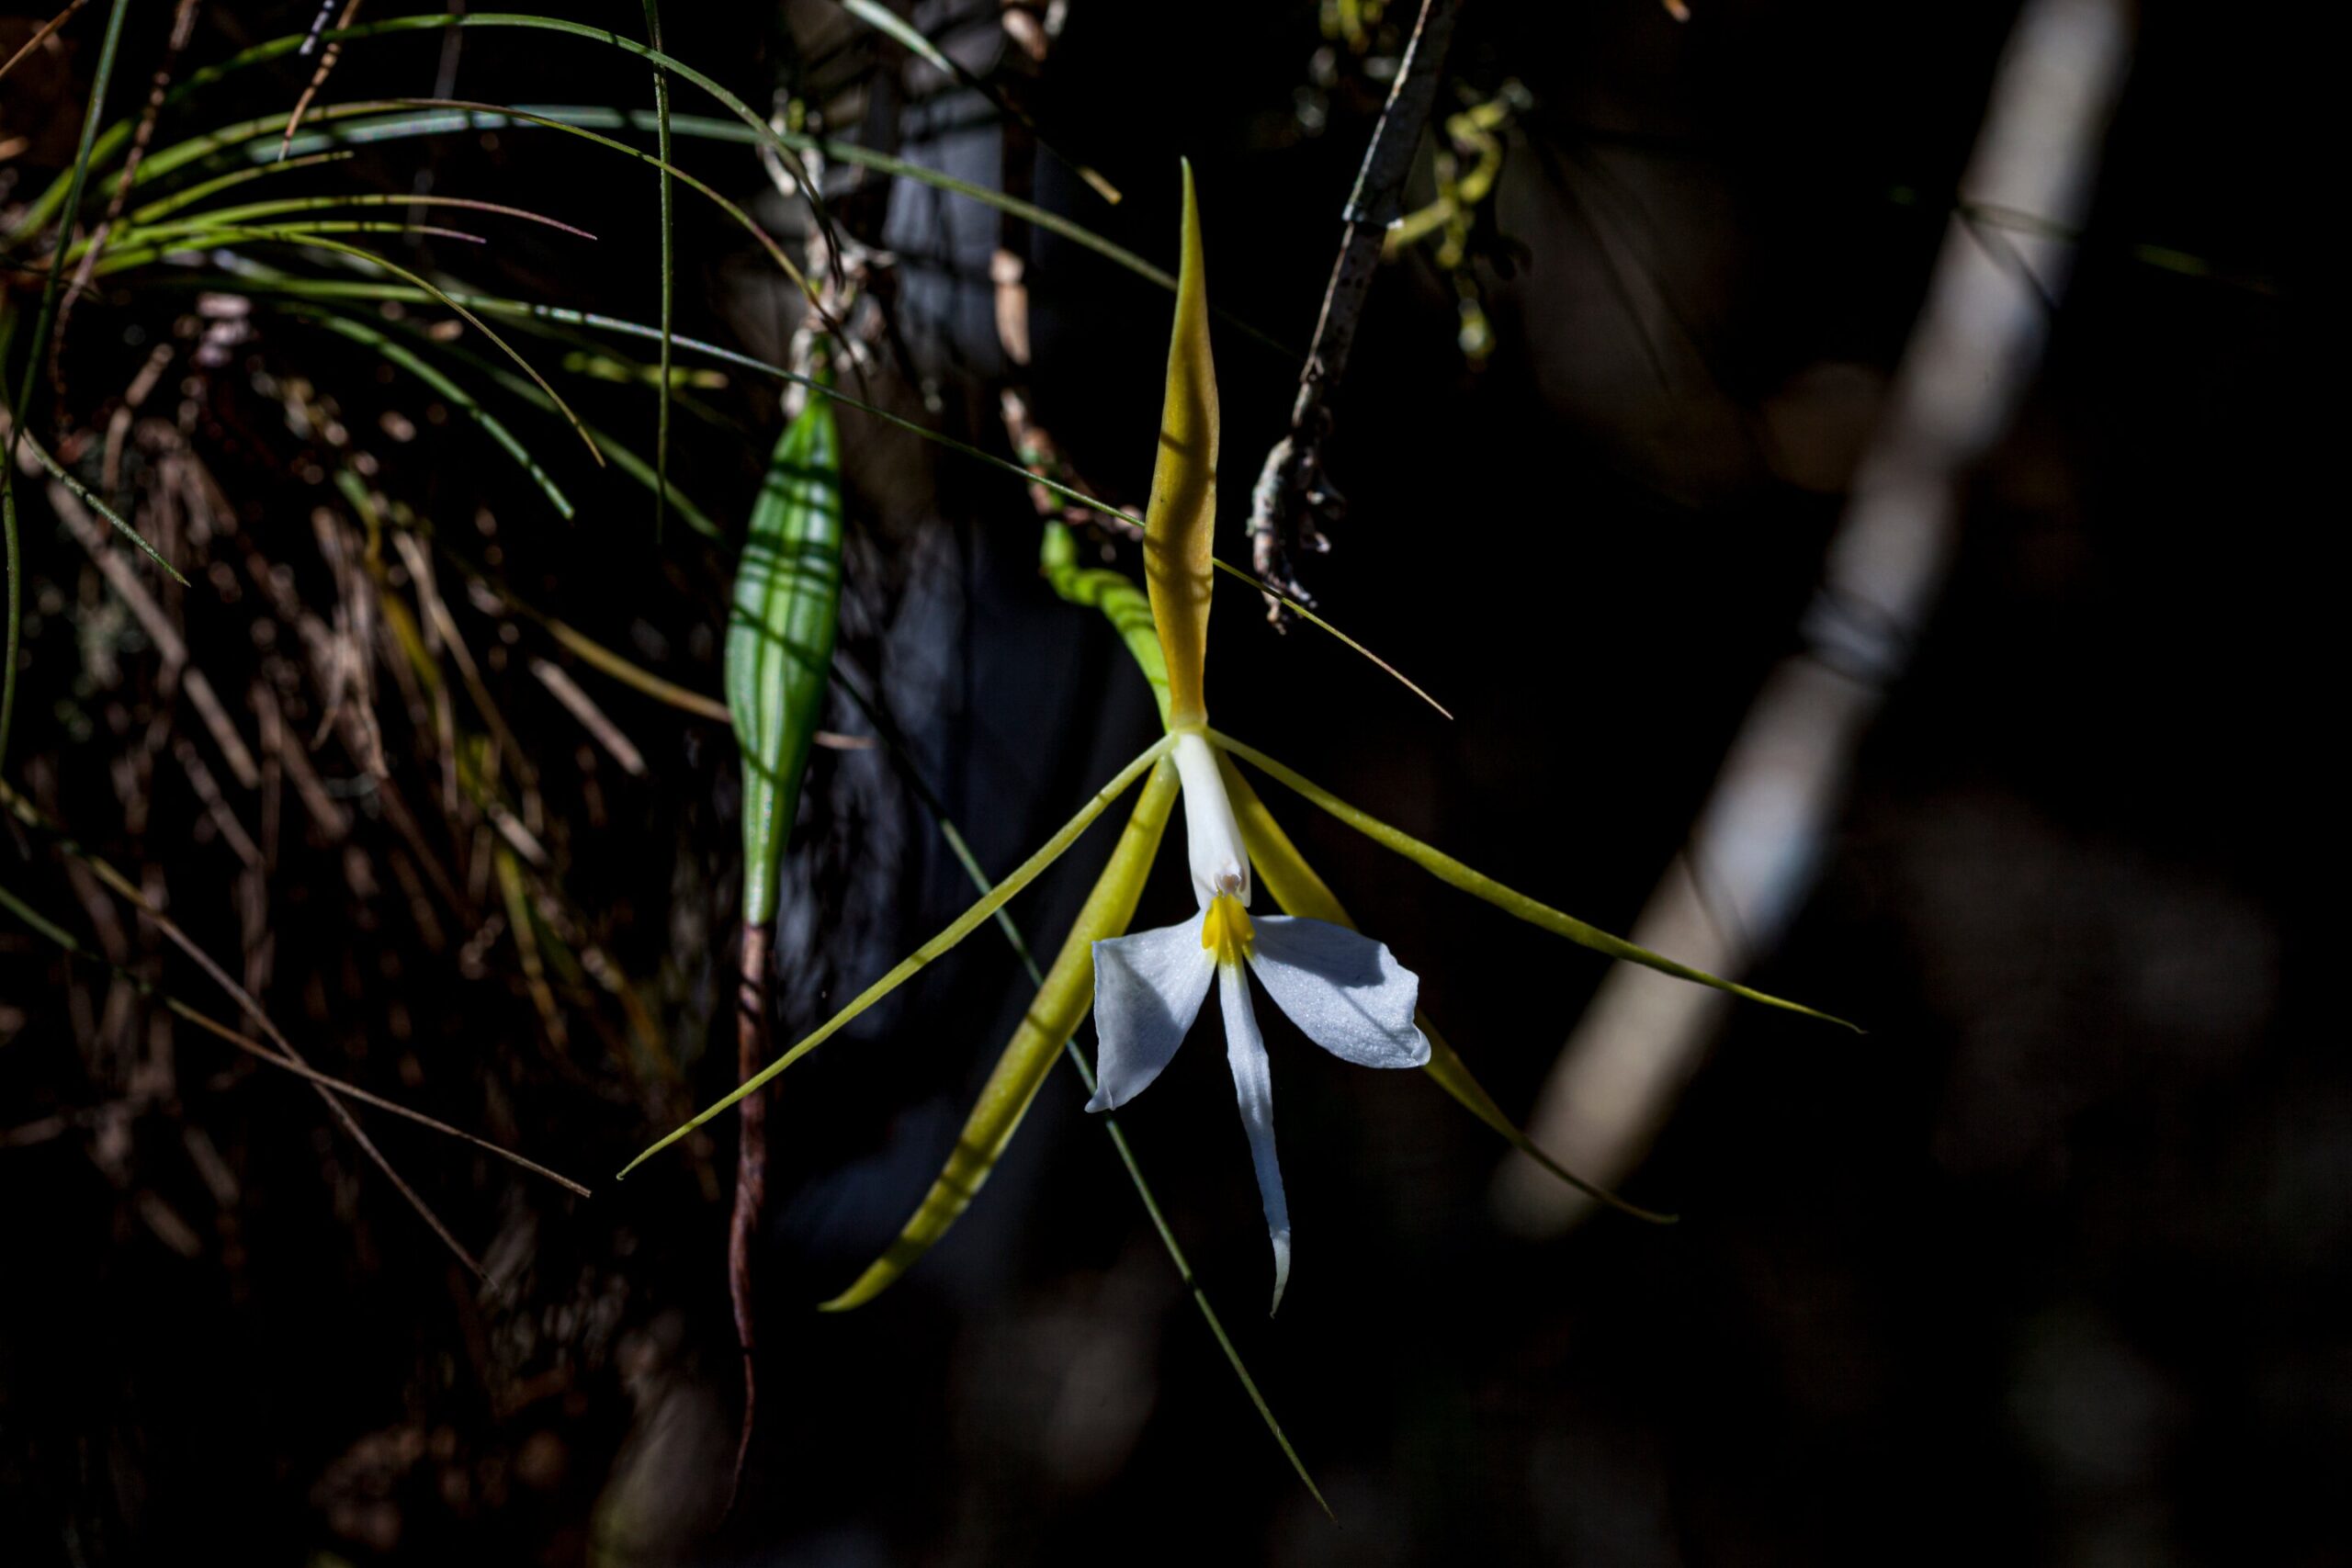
[177, 668]
[326, 67]
[41, 34]
[130, 893]
[325, 1082]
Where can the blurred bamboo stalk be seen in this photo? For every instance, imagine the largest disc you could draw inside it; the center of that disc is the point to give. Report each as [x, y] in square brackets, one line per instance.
[1727, 898]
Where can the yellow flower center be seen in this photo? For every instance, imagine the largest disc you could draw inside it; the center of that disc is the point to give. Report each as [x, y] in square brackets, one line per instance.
[1226, 931]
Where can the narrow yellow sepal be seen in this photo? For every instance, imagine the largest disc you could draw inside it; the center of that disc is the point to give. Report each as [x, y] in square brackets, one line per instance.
[1180, 523]
[1024, 874]
[1283, 873]
[1478, 885]
[1059, 1008]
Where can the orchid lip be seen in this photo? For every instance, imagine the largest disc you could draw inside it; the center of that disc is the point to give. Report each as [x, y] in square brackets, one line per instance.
[1345, 992]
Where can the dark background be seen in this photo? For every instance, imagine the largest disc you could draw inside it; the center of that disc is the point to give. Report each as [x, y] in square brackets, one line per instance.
[2049, 1266]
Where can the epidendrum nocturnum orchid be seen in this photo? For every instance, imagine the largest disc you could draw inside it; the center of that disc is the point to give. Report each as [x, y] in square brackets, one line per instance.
[1347, 992]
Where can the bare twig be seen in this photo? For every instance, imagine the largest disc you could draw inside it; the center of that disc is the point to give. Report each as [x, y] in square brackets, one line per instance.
[40, 34]
[1294, 498]
[160, 631]
[130, 893]
[319, 75]
[582, 706]
[262, 1053]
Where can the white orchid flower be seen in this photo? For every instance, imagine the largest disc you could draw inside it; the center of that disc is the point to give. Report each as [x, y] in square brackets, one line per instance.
[1346, 992]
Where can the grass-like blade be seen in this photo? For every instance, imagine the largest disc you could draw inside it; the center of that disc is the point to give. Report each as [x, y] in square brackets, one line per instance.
[309, 236]
[669, 266]
[342, 1087]
[400, 355]
[88, 497]
[180, 200]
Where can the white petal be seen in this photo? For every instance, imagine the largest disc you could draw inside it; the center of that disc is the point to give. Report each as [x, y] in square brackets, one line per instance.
[1148, 990]
[1212, 837]
[1346, 991]
[1253, 1088]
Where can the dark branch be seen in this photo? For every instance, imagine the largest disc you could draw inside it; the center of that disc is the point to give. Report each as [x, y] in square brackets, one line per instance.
[1292, 498]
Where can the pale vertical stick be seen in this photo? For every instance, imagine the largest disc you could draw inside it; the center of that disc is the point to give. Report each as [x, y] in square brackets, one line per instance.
[1755, 849]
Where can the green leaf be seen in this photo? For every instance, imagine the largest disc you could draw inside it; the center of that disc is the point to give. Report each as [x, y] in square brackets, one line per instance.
[780, 639]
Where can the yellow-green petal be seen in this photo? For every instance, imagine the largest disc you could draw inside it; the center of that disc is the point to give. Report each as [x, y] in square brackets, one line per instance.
[1061, 1006]
[1177, 523]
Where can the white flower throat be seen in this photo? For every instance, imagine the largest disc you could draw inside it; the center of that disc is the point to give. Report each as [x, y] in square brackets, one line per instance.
[1212, 836]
